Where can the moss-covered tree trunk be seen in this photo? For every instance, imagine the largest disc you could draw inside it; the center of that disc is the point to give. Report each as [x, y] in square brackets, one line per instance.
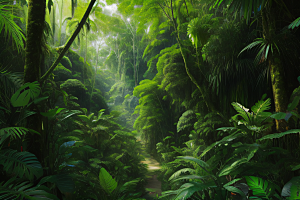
[32, 69]
[34, 29]
[275, 66]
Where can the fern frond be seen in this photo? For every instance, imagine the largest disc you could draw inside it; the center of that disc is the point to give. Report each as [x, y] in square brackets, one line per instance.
[261, 106]
[242, 111]
[186, 120]
[106, 181]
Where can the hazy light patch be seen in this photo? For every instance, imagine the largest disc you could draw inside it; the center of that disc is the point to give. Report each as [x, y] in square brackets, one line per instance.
[111, 8]
[148, 29]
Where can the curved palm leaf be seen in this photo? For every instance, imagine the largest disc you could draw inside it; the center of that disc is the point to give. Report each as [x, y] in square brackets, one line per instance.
[295, 23]
[15, 190]
[21, 163]
[14, 132]
[11, 29]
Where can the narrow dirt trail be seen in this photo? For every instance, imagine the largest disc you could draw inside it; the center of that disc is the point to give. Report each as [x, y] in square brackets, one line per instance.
[154, 185]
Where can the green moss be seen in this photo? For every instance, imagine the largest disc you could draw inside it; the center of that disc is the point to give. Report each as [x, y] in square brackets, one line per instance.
[61, 73]
[65, 61]
[81, 59]
[75, 88]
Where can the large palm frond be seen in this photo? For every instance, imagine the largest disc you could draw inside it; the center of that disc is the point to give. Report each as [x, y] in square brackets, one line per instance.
[14, 189]
[21, 163]
[9, 26]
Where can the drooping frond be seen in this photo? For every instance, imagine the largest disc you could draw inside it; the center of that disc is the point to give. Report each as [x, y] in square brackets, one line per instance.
[8, 25]
[21, 163]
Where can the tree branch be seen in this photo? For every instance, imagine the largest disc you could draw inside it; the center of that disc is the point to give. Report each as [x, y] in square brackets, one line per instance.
[69, 42]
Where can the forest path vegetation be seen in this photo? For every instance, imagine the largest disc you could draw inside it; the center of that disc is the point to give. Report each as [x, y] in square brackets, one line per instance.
[153, 185]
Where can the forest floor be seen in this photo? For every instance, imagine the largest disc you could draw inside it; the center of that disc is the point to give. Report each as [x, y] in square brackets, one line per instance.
[153, 185]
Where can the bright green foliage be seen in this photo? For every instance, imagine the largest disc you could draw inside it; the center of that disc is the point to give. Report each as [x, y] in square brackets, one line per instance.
[22, 97]
[9, 26]
[106, 181]
[260, 187]
[65, 61]
[295, 23]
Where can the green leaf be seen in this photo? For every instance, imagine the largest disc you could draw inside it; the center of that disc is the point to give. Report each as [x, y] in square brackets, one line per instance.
[106, 181]
[296, 168]
[236, 190]
[21, 163]
[64, 182]
[232, 182]
[201, 163]
[259, 187]
[279, 135]
[292, 188]
[228, 169]
[278, 116]
[14, 189]
[179, 172]
[13, 132]
[293, 105]
[23, 95]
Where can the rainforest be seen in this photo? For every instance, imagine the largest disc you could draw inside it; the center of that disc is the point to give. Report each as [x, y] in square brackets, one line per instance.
[149, 99]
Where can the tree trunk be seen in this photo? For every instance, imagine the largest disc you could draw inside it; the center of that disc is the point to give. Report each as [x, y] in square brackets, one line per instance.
[276, 67]
[32, 70]
[33, 51]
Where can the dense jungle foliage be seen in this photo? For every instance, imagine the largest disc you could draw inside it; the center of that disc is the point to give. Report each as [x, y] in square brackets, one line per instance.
[210, 87]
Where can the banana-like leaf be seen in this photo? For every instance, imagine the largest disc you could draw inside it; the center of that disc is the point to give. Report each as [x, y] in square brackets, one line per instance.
[236, 190]
[64, 182]
[228, 169]
[179, 172]
[186, 177]
[279, 135]
[21, 163]
[188, 189]
[201, 163]
[106, 181]
[15, 190]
